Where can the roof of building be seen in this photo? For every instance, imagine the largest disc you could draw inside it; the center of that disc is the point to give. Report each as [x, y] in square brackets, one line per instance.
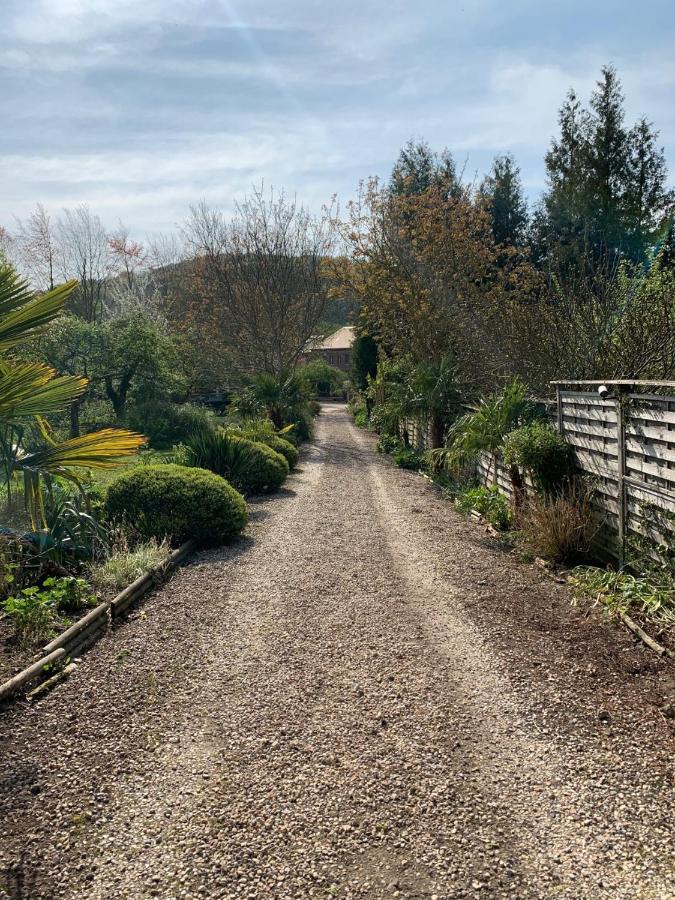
[342, 339]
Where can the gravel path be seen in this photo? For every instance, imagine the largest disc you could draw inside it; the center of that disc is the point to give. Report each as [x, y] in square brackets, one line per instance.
[363, 698]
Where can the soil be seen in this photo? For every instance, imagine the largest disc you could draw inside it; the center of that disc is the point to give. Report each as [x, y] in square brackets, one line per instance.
[363, 697]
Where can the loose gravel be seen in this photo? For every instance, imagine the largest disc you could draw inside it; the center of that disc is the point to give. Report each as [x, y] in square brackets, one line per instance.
[364, 697]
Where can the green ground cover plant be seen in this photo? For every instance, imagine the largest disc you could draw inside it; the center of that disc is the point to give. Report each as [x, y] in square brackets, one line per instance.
[489, 502]
[650, 596]
[35, 611]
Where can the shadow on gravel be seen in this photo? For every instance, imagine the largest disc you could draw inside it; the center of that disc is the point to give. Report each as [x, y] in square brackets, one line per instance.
[339, 455]
[17, 880]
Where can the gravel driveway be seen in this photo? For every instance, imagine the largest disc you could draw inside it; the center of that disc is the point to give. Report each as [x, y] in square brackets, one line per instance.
[365, 697]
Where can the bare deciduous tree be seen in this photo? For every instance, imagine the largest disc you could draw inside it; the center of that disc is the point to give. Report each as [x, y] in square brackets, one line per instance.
[85, 254]
[260, 277]
[129, 256]
[38, 248]
[7, 243]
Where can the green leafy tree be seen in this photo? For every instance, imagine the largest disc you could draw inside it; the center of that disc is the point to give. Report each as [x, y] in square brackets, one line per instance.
[322, 379]
[121, 357]
[133, 352]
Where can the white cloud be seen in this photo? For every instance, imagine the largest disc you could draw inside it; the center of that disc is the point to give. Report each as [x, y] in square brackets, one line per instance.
[72, 21]
[138, 107]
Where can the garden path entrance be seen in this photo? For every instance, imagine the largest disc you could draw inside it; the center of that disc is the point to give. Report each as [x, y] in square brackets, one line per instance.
[365, 697]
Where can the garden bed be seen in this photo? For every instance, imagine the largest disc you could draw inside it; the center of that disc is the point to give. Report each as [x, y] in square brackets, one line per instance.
[24, 668]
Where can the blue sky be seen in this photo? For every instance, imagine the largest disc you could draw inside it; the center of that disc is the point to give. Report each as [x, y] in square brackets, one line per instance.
[140, 107]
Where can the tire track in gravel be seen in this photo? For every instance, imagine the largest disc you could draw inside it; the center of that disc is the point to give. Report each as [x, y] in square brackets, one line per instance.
[328, 717]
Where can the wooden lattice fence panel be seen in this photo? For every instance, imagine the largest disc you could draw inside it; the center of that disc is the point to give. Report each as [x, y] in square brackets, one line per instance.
[626, 442]
[418, 433]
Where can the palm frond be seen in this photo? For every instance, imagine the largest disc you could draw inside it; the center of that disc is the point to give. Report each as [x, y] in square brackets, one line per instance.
[34, 389]
[99, 450]
[22, 313]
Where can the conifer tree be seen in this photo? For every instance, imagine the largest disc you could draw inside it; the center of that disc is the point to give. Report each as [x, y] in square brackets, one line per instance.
[502, 191]
[418, 168]
[607, 195]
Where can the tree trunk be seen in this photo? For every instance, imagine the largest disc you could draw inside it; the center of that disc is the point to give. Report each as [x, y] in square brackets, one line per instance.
[436, 433]
[118, 397]
[75, 418]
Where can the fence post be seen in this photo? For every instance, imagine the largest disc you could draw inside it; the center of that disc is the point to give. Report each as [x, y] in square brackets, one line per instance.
[621, 477]
[558, 398]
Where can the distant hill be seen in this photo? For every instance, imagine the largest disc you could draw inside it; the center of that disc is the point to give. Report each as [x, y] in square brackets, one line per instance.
[338, 312]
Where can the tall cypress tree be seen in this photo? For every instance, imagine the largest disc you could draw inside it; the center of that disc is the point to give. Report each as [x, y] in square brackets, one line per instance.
[606, 155]
[418, 168]
[502, 190]
[565, 164]
[648, 205]
[607, 184]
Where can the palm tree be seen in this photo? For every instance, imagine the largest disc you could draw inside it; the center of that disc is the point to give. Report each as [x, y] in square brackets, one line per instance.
[31, 390]
[282, 398]
[483, 431]
[432, 396]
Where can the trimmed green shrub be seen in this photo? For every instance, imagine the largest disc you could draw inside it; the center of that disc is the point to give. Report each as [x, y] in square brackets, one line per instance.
[314, 407]
[282, 446]
[540, 450]
[177, 501]
[489, 502]
[279, 444]
[165, 424]
[252, 467]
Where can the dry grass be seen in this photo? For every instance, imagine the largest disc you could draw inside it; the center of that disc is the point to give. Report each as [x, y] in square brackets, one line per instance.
[124, 565]
[559, 528]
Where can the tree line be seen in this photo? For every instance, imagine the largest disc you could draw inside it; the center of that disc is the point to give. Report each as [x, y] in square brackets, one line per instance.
[581, 285]
[437, 270]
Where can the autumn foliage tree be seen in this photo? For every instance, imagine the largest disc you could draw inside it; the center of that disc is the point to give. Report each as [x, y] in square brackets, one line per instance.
[431, 279]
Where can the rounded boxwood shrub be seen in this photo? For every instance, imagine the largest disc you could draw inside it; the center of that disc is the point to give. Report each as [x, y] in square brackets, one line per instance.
[252, 467]
[278, 444]
[179, 501]
[540, 450]
[268, 470]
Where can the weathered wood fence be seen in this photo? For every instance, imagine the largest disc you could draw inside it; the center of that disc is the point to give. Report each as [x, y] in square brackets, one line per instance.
[418, 433]
[624, 438]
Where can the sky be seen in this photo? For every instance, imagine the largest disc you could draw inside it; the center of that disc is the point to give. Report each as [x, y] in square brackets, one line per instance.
[139, 108]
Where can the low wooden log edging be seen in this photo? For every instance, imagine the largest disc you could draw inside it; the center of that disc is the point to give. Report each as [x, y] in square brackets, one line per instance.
[67, 637]
[29, 674]
[87, 630]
